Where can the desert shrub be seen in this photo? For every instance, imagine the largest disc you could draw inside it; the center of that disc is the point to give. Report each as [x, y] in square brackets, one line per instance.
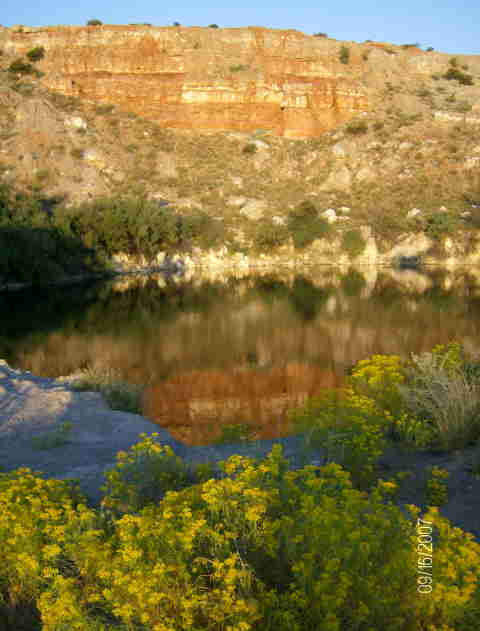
[379, 378]
[20, 67]
[106, 108]
[118, 394]
[320, 35]
[263, 547]
[440, 224]
[133, 225]
[353, 242]
[32, 247]
[198, 228]
[145, 473]
[355, 128]
[94, 22]
[77, 153]
[348, 426]
[37, 53]
[52, 440]
[454, 74]
[440, 393]
[236, 433]
[437, 492]
[305, 225]
[250, 148]
[238, 68]
[269, 235]
[33, 516]
[344, 55]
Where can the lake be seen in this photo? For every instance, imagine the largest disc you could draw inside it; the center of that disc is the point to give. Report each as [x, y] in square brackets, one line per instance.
[226, 350]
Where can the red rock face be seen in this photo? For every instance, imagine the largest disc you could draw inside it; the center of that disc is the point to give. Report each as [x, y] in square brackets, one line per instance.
[196, 78]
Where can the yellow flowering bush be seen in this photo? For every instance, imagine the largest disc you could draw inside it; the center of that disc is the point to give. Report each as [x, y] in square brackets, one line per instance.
[349, 426]
[143, 474]
[455, 596]
[379, 378]
[263, 547]
[437, 492]
[34, 514]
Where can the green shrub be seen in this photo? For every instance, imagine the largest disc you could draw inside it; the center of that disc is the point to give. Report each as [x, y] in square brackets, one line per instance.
[355, 128]
[269, 235]
[344, 55]
[454, 74]
[238, 68]
[198, 228]
[20, 67]
[305, 225]
[440, 224]
[441, 394]
[106, 108]
[250, 148]
[77, 153]
[33, 248]
[37, 53]
[379, 378]
[52, 440]
[264, 547]
[348, 426]
[94, 22]
[353, 242]
[118, 394]
[437, 492]
[213, 26]
[145, 473]
[320, 35]
[235, 433]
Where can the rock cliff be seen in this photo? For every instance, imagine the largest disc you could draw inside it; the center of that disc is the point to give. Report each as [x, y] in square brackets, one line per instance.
[204, 79]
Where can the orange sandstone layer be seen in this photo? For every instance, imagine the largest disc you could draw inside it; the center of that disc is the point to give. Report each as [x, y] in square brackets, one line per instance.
[241, 79]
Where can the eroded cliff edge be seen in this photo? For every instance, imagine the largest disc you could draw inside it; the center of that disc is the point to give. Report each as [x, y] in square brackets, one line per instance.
[205, 79]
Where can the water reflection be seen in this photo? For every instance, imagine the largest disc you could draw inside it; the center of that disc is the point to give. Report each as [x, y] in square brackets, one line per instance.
[216, 351]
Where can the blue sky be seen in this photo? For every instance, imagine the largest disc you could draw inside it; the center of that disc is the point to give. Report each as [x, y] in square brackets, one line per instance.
[449, 26]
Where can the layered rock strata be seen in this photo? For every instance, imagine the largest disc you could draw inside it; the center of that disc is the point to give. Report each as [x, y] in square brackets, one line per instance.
[243, 79]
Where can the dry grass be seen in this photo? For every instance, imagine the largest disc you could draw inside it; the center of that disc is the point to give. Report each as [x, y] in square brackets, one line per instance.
[118, 394]
[447, 399]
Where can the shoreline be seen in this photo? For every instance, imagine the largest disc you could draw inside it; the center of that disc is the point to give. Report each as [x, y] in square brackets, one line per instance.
[34, 407]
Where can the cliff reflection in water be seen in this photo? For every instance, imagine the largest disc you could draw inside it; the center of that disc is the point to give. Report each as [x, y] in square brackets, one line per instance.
[219, 351]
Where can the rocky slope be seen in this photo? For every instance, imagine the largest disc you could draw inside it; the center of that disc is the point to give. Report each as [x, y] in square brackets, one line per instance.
[115, 109]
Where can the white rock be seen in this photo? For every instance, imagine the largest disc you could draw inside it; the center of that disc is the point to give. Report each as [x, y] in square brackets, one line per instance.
[260, 144]
[279, 221]
[237, 181]
[76, 122]
[472, 162]
[415, 212]
[330, 215]
[365, 174]
[253, 209]
[236, 201]
[339, 150]
[405, 145]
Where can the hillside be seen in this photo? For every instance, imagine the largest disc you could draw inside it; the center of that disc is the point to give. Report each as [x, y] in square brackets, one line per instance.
[245, 124]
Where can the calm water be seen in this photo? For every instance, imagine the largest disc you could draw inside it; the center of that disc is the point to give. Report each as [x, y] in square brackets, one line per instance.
[235, 350]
